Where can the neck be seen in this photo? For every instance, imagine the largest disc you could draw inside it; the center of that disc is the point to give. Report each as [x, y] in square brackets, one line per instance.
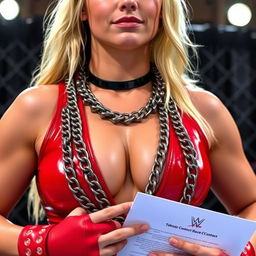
[119, 85]
[119, 65]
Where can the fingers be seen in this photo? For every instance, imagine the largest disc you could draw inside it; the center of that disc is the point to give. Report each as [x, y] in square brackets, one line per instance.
[112, 242]
[121, 234]
[110, 212]
[113, 249]
[77, 212]
[164, 254]
[190, 248]
[195, 249]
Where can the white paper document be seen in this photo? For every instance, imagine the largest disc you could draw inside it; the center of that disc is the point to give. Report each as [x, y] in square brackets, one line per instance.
[167, 219]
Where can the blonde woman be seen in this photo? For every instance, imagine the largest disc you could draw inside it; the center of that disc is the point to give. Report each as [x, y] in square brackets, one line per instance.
[113, 112]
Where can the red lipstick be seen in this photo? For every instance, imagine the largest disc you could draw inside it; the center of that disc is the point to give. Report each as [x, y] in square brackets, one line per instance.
[128, 21]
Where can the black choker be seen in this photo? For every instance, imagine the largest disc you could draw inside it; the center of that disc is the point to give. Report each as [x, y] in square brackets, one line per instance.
[121, 85]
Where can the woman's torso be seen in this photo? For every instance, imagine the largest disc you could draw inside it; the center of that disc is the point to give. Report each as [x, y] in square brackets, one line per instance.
[121, 156]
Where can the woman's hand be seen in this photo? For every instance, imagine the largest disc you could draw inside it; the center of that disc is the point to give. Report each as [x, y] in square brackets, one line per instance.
[111, 243]
[79, 234]
[190, 248]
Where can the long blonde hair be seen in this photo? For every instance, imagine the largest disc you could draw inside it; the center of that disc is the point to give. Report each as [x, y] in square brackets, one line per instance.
[65, 40]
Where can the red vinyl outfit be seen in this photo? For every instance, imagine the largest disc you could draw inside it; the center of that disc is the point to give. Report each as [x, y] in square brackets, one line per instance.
[58, 200]
[78, 235]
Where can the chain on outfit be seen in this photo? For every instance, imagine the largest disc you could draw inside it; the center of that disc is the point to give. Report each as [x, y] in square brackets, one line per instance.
[72, 135]
[78, 235]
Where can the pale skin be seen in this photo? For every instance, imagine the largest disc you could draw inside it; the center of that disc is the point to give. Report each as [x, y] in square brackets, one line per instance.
[126, 166]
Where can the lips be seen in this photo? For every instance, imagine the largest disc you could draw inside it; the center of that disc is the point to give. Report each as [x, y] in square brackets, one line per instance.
[128, 19]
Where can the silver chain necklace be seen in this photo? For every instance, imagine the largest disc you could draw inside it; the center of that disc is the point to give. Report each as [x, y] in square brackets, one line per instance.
[72, 136]
[113, 116]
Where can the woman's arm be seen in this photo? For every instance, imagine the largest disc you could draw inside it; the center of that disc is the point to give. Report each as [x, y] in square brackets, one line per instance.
[233, 178]
[17, 164]
[234, 181]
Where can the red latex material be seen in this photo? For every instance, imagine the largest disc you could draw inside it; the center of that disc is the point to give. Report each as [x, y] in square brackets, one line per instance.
[248, 250]
[56, 197]
[32, 240]
[75, 235]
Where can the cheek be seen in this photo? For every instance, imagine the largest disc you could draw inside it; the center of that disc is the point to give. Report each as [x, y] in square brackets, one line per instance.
[99, 12]
[153, 11]
[153, 7]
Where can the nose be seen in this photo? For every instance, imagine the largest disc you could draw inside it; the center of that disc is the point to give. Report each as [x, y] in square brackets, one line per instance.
[128, 5]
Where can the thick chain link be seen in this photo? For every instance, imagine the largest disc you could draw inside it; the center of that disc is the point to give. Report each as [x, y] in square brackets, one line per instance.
[186, 145]
[157, 169]
[114, 116]
[188, 152]
[72, 132]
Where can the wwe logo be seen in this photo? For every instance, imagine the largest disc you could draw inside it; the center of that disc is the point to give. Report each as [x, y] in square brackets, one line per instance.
[196, 222]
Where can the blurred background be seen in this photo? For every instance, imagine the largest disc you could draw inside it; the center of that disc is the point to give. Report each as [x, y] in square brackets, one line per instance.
[226, 29]
[202, 11]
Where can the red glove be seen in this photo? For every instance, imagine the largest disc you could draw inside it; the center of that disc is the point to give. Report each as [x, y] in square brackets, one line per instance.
[248, 250]
[75, 235]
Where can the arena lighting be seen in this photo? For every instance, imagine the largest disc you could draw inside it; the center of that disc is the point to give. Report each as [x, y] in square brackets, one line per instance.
[9, 9]
[239, 14]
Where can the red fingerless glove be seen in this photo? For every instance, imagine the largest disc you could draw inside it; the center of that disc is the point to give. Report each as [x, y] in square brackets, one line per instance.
[32, 240]
[75, 235]
[248, 250]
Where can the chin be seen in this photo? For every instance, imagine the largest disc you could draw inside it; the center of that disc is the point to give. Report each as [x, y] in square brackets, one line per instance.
[131, 44]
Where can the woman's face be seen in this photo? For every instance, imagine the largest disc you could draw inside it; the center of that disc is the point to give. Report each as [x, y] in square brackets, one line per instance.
[123, 24]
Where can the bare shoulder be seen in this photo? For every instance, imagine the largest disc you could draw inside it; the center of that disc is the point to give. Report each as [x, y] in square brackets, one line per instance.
[37, 100]
[216, 114]
[208, 104]
[30, 111]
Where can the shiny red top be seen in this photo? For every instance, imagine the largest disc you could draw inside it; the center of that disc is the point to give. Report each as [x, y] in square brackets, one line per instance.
[53, 188]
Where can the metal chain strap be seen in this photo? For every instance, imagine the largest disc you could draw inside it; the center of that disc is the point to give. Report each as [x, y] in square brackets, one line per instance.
[186, 145]
[72, 131]
[188, 152]
[159, 161]
[114, 116]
